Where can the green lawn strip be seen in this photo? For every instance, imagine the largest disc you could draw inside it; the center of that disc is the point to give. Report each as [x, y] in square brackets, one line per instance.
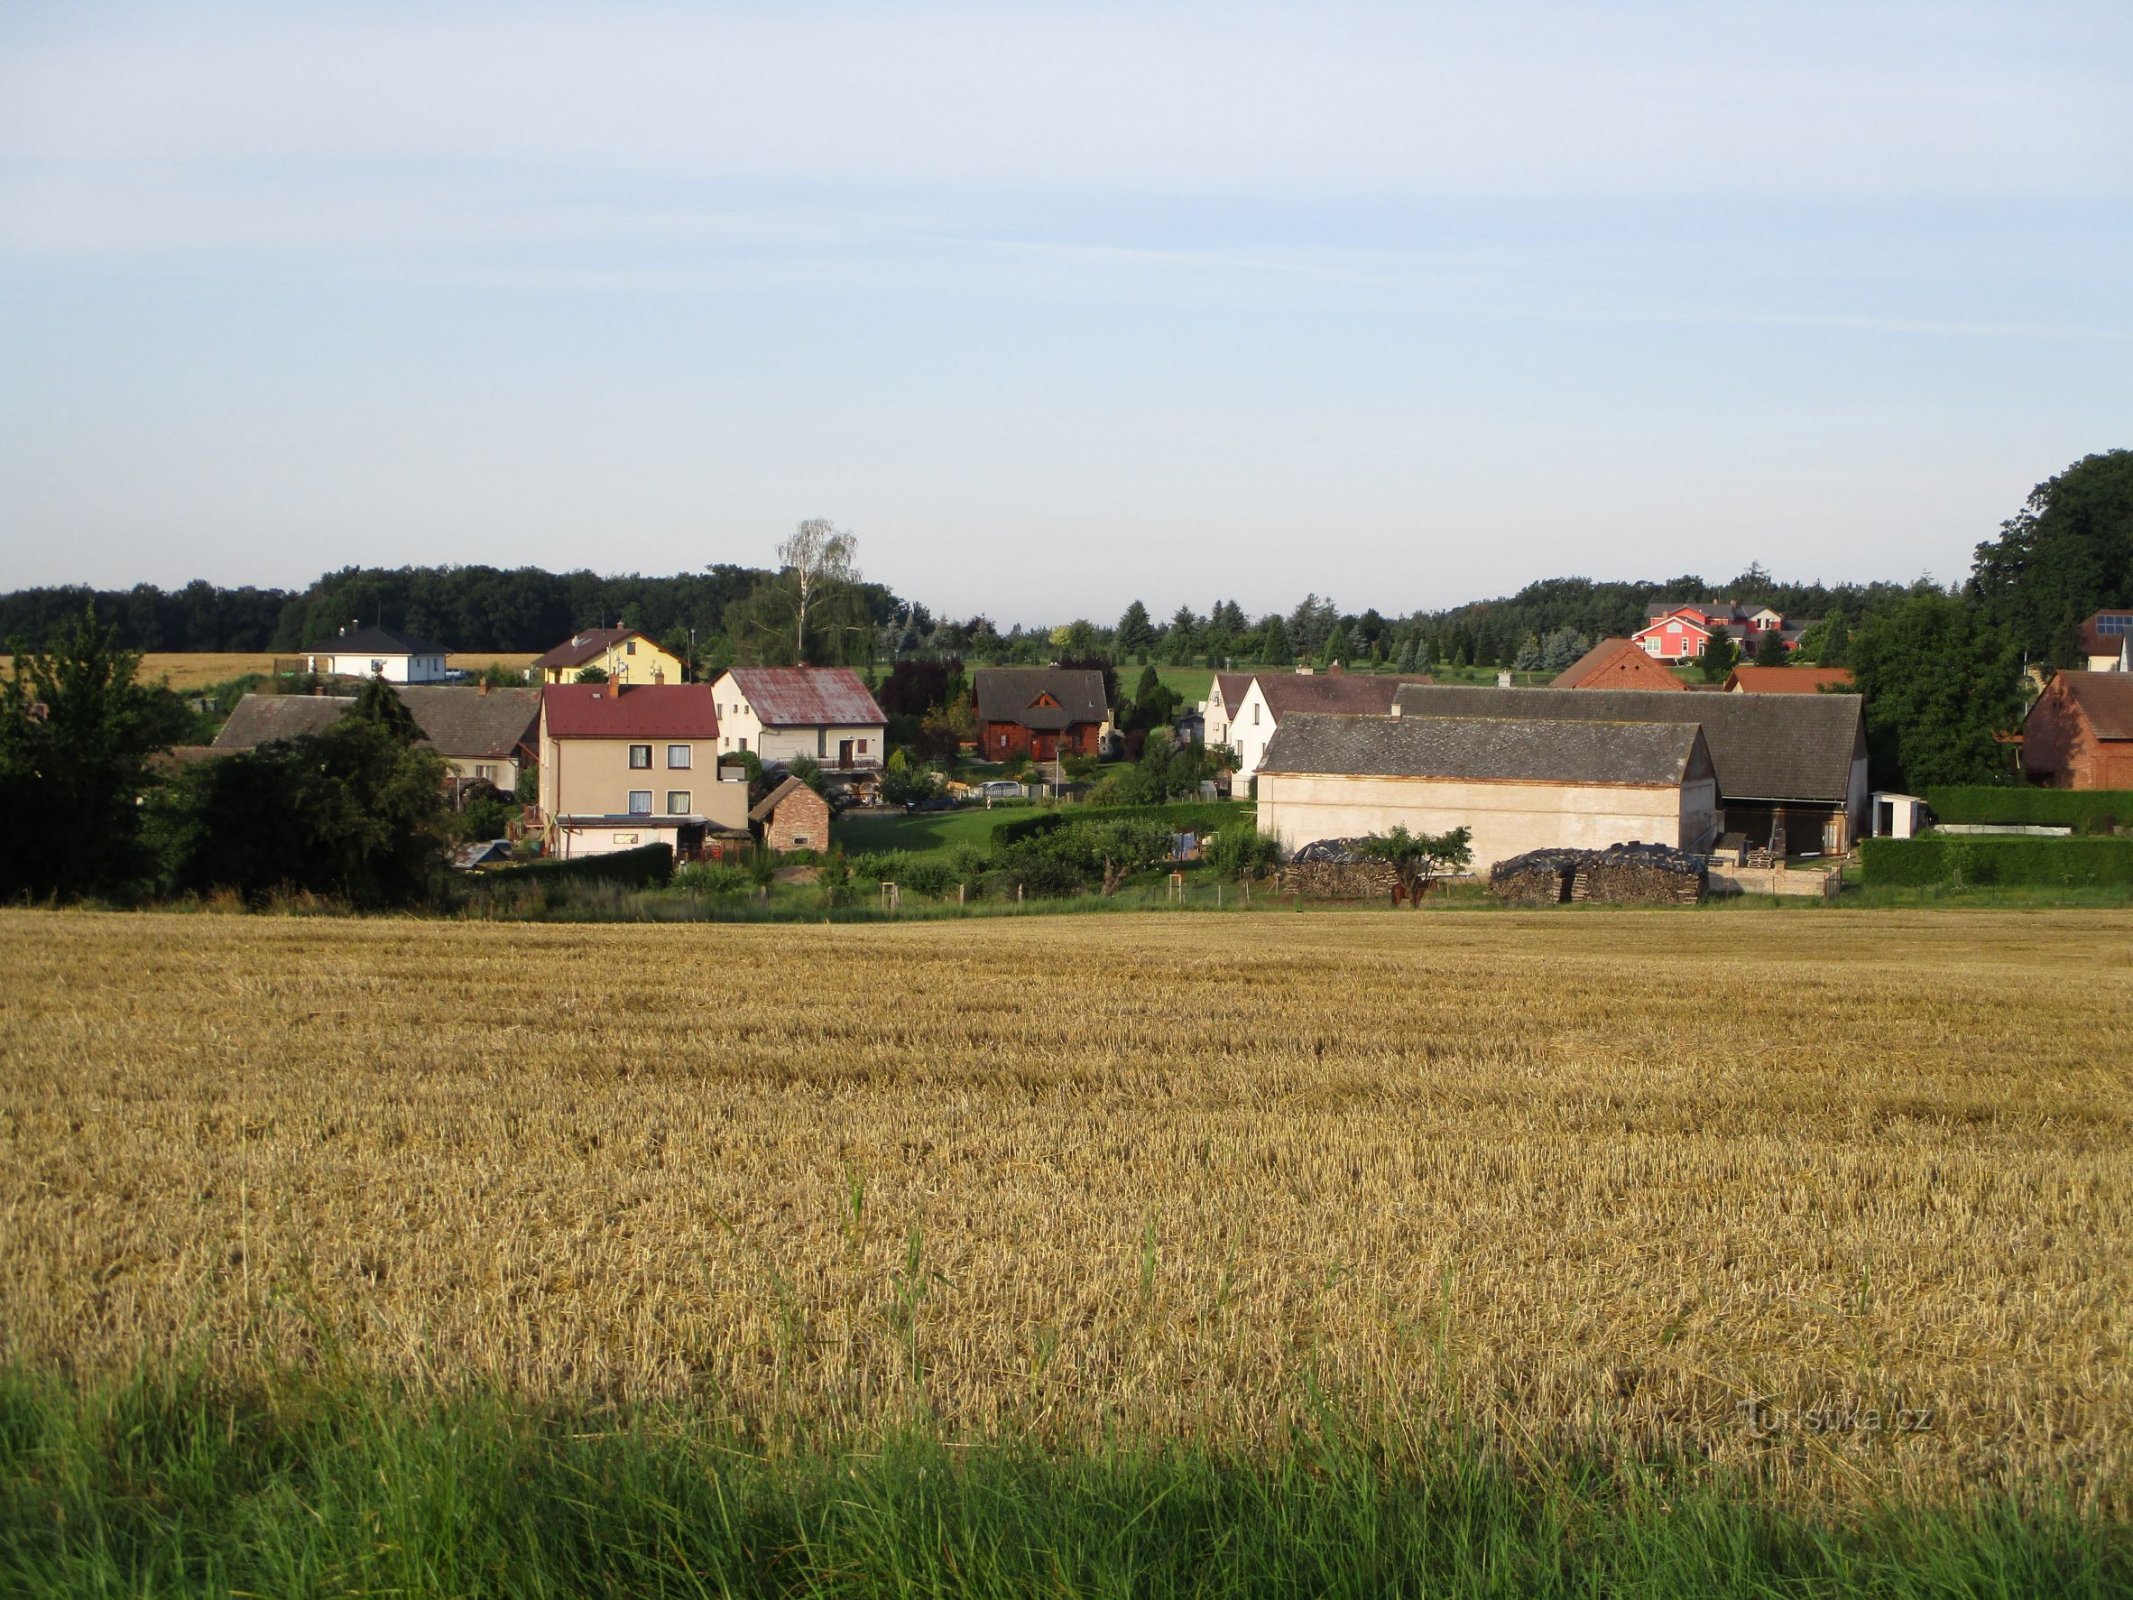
[174, 1486]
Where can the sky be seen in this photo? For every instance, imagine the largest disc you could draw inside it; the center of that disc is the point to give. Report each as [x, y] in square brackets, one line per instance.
[1056, 306]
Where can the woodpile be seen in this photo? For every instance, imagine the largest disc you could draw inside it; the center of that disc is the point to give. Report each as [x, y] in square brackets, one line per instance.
[1336, 869]
[1622, 874]
[1537, 878]
[1641, 875]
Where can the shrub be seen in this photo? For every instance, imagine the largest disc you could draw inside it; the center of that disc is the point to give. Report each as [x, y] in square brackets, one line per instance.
[1937, 859]
[1198, 816]
[2083, 810]
[716, 878]
[648, 865]
[1240, 850]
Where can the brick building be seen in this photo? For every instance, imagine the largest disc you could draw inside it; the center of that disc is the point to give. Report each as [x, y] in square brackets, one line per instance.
[2079, 734]
[792, 817]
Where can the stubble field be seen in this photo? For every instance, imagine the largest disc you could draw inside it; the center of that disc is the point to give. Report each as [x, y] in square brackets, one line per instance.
[1567, 1181]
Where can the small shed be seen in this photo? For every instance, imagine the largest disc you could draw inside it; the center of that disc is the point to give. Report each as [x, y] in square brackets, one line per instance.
[1898, 816]
[792, 817]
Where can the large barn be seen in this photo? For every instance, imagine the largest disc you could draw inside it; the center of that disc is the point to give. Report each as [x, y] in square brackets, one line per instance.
[1785, 763]
[1518, 784]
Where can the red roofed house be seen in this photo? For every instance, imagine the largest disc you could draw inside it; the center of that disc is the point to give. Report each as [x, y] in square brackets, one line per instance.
[1680, 635]
[2079, 734]
[2107, 641]
[1674, 632]
[1789, 680]
[624, 765]
[1616, 664]
[824, 713]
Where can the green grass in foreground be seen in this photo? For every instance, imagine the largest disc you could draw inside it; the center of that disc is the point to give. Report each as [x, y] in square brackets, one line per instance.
[171, 1487]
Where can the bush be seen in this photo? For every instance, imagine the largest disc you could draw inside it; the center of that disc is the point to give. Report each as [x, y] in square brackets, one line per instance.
[1240, 850]
[647, 866]
[716, 878]
[1195, 816]
[2054, 863]
[2083, 810]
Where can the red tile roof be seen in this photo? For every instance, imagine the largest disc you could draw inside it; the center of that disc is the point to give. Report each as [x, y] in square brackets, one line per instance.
[2105, 698]
[1616, 664]
[640, 711]
[1789, 680]
[807, 697]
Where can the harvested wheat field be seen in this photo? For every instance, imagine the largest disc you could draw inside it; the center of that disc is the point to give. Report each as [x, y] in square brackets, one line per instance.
[1564, 1179]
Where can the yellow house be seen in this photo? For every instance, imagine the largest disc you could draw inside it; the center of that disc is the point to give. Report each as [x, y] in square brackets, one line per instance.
[624, 654]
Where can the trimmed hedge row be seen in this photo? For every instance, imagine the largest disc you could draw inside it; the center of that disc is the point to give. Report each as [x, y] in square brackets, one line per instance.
[1190, 816]
[646, 867]
[2083, 810]
[2044, 862]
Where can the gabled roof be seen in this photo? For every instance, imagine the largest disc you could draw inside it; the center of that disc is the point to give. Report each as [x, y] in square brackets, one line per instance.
[1659, 623]
[807, 697]
[2105, 699]
[1494, 749]
[1616, 664]
[375, 642]
[2096, 642]
[472, 725]
[635, 711]
[262, 718]
[588, 645]
[456, 722]
[1010, 694]
[1788, 680]
[1234, 686]
[1782, 747]
[1340, 694]
[763, 809]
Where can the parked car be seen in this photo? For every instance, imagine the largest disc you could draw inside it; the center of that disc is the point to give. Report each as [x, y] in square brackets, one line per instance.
[1002, 789]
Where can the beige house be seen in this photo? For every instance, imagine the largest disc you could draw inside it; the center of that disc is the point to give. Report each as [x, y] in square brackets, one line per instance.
[485, 735]
[623, 766]
[1272, 696]
[1518, 785]
[780, 713]
[624, 654]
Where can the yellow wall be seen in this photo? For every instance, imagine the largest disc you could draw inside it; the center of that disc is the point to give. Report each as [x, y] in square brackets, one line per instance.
[593, 778]
[649, 664]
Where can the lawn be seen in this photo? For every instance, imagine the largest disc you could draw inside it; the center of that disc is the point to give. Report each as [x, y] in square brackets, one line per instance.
[923, 833]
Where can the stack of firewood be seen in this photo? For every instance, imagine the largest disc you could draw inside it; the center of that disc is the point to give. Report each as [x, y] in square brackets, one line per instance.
[1537, 878]
[1640, 874]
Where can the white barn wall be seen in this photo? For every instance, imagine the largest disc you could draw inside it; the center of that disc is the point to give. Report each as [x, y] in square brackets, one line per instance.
[1507, 818]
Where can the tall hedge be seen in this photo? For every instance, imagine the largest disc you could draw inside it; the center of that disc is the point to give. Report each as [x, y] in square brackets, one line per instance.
[1944, 858]
[2083, 810]
[1191, 816]
[646, 867]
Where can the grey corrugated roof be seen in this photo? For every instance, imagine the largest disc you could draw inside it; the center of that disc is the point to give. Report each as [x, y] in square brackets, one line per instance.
[457, 722]
[1785, 747]
[1489, 748]
[262, 718]
[1005, 694]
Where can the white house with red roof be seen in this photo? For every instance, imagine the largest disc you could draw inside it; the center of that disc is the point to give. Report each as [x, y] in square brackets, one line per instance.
[780, 713]
[624, 765]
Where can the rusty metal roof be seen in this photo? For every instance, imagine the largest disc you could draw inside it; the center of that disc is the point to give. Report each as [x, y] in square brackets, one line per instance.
[807, 697]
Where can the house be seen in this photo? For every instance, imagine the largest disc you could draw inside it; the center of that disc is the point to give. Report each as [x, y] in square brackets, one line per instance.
[624, 654]
[1224, 695]
[1039, 712]
[485, 735]
[2107, 641]
[1518, 784]
[2079, 734]
[1616, 664]
[624, 765]
[378, 653]
[1788, 680]
[824, 713]
[1789, 767]
[1274, 695]
[1677, 632]
[792, 817]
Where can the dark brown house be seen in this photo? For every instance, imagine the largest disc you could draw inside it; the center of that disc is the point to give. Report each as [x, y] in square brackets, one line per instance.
[2079, 734]
[1039, 712]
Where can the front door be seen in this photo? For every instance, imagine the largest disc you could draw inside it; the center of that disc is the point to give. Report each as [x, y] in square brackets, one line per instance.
[844, 753]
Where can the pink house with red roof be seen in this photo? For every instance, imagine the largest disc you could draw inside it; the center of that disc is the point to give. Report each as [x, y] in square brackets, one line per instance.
[780, 713]
[626, 765]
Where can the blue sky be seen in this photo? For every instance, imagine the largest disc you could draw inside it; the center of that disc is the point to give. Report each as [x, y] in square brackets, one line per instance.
[1056, 306]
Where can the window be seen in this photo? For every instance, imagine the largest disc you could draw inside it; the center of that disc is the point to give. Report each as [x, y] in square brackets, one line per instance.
[640, 802]
[862, 747]
[484, 774]
[742, 741]
[2122, 623]
[677, 755]
[1673, 627]
[629, 647]
[1255, 716]
[678, 803]
[640, 755]
[799, 841]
